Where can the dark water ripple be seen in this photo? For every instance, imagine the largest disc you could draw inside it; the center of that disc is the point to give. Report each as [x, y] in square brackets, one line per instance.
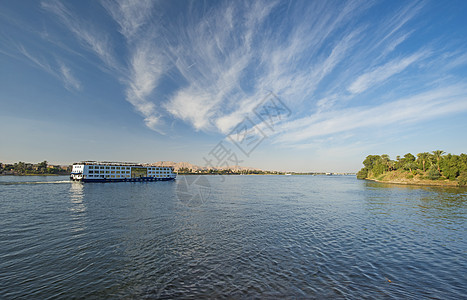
[255, 237]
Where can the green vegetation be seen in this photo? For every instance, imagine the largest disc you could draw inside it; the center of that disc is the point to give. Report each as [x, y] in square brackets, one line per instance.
[186, 171]
[42, 168]
[432, 166]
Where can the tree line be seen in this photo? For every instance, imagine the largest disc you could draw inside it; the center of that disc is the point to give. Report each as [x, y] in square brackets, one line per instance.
[187, 171]
[436, 165]
[22, 168]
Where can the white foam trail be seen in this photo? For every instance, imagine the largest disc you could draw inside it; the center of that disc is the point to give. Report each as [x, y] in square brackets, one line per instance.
[34, 182]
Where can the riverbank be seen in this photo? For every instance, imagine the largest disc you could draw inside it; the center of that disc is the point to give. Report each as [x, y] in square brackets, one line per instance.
[405, 178]
[444, 183]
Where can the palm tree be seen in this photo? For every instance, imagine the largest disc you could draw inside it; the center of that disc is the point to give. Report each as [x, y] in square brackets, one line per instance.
[386, 160]
[410, 165]
[438, 154]
[423, 157]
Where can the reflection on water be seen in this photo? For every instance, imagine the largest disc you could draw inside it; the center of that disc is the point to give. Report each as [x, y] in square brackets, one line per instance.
[77, 207]
[429, 205]
[76, 195]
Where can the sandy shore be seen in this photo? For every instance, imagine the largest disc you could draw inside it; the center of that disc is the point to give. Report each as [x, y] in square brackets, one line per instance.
[443, 183]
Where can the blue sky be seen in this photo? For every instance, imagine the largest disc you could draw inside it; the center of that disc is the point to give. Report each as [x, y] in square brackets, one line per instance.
[169, 80]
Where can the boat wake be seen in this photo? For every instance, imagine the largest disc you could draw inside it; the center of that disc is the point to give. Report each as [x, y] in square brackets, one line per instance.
[34, 182]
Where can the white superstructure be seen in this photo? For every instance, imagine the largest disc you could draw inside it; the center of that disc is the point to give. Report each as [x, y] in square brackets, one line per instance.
[89, 171]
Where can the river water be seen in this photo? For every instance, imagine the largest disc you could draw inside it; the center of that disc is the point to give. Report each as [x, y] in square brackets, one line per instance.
[231, 237]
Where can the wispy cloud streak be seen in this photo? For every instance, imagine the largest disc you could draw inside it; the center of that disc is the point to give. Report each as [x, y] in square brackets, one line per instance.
[60, 71]
[146, 69]
[209, 64]
[69, 79]
[212, 54]
[380, 74]
[420, 107]
[130, 15]
[147, 63]
[90, 38]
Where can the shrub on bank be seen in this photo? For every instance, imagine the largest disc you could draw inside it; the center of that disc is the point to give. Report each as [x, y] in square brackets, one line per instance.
[462, 179]
[433, 173]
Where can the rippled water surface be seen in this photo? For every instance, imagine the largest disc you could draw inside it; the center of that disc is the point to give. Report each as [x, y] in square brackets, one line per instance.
[240, 237]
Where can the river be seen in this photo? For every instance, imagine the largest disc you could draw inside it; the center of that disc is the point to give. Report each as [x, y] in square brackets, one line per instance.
[231, 237]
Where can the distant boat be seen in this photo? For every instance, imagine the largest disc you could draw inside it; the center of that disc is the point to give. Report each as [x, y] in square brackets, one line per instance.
[287, 174]
[328, 174]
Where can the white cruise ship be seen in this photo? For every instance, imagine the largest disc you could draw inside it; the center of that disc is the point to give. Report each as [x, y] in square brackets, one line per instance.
[93, 171]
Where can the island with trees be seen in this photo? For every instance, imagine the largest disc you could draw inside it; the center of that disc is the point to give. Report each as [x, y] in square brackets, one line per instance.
[427, 168]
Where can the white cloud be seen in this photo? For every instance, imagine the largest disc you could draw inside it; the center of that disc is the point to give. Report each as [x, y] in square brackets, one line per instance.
[192, 106]
[90, 38]
[146, 68]
[68, 78]
[395, 22]
[146, 64]
[393, 44]
[38, 62]
[130, 15]
[418, 108]
[219, 60]
[454, 60]
[61, 72]
[280, 68]
[212, 62]
[380, 74]
[212, 51]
